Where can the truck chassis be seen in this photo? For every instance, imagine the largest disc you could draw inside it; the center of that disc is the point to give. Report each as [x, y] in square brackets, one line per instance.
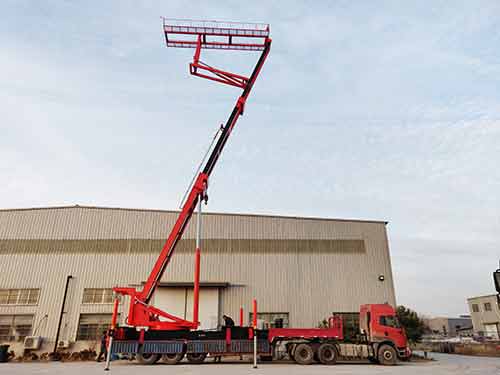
[303, 345]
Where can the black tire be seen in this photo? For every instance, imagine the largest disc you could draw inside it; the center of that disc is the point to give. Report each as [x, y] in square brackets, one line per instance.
[316, 358]
[196, 357]
[303, 354]
[373, 360]
[147, 358]
[327, 354]
[387, 356]
[172, 358]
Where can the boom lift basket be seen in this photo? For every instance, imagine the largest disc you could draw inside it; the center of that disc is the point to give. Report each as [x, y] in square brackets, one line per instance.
[236, 35]
[216, 35]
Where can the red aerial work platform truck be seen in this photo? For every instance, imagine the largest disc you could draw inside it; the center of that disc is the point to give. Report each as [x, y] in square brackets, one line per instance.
[152, 334]
[380, 339]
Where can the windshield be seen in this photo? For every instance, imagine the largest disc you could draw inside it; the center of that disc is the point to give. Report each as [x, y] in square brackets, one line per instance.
[390, 321]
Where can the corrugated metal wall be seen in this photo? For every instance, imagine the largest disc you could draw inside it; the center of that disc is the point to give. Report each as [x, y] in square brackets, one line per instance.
[307, 267]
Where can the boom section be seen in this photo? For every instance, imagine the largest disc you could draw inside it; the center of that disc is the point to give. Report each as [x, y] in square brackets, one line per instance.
[201, 183]
[199, 35]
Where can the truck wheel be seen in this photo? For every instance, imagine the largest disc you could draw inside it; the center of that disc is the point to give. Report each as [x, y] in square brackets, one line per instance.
[172, 358]
[387, 355]
[196, 357]
[303, 354]
[147, 358]
[327, 354]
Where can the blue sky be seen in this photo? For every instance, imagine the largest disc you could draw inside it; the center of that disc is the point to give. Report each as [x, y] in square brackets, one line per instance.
[386, 110]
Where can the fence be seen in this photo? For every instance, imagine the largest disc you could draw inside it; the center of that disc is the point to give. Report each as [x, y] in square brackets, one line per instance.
[479, 349]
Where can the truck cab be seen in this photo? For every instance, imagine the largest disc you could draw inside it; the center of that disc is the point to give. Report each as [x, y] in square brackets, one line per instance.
[383, 331]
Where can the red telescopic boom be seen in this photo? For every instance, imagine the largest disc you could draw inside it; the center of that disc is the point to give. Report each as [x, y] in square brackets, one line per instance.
[199, 35]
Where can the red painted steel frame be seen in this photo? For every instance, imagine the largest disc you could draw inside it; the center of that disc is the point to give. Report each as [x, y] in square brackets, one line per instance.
[334, 331]
[304, 333]
[185, 34]
[252, 37]
[141, 314]
[114, 316]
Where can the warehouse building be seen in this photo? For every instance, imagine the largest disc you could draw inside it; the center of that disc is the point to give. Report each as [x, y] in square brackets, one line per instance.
[301, 270]
[449, 327]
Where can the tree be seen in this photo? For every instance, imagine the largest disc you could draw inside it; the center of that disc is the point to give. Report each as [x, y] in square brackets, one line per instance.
[413, 325]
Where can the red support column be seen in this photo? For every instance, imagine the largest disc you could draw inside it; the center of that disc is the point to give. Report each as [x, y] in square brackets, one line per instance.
[255, 333]
[114, 317]
[241, 316]
[254, 323]
[111, 333]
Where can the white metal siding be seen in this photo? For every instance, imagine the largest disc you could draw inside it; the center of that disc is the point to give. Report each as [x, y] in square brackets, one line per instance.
[295, 277]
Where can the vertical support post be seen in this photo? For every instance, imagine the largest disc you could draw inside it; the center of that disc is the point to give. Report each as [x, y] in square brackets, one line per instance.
[241, 325]
[196, 291]
[254, 320]
[68, 278]
[254, 333]
[114, 317]
[111, 333]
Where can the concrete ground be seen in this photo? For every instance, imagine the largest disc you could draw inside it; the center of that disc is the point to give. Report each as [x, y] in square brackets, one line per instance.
[443, 364]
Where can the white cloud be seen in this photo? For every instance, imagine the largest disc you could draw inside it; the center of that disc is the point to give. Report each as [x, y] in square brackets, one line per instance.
[385, 112]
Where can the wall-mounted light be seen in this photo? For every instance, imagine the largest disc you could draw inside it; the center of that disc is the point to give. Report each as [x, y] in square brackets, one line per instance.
[381, 278]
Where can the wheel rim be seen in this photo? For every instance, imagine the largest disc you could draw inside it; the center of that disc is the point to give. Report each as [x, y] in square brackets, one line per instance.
[304, 353]
[328, 354]
[388, 355]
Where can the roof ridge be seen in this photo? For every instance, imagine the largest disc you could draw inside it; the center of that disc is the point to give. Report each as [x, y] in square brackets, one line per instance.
[482, 296]
[205, 213]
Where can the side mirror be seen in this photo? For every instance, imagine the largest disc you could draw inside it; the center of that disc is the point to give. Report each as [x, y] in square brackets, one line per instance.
[496, 278]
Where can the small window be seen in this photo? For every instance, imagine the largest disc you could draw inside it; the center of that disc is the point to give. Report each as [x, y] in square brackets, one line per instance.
[15, 327]
[91, 326]
[272, 320]
[19, 296]
[487, 306]
[475, 307]
[390, 321]
[97, 295]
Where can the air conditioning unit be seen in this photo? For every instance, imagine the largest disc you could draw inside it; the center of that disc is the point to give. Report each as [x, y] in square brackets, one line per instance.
[63, 344]
[32, 342]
